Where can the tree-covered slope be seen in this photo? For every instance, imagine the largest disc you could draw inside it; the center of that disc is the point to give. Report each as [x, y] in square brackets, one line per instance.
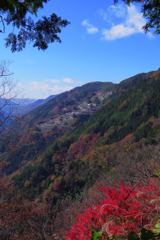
[73, 161]
[32, 133]
[133, 111]
[59, 167]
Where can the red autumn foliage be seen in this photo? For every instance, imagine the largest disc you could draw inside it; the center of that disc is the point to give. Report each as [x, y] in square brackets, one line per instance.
[125, 209]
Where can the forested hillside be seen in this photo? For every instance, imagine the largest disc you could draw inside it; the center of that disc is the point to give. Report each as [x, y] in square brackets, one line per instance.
[100, 132]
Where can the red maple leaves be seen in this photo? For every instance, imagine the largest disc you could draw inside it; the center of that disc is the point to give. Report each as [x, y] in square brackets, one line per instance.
[125, 209]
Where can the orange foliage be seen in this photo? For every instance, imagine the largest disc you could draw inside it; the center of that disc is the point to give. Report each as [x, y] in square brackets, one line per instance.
[84, 145]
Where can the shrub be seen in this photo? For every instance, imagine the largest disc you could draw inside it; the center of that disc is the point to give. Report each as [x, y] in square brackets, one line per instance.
[127, 212]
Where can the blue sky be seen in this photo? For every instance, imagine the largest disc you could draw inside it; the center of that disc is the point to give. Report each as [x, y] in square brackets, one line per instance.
[103, 43]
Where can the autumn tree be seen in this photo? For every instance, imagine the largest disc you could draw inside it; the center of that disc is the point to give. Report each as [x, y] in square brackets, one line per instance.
[27, 26]
[126, 212]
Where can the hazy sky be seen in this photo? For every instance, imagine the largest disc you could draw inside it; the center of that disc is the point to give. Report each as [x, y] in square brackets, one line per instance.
[103, 43]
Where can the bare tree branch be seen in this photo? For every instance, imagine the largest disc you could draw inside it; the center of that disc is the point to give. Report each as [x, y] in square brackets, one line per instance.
[7, 94]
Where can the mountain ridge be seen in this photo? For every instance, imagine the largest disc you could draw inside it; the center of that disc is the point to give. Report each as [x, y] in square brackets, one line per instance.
[76, 154]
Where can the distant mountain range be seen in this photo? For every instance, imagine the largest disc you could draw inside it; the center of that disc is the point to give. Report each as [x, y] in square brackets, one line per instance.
[21, 106]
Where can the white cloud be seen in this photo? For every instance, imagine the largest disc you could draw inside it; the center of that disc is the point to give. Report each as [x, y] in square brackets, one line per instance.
[68, 80]
[118, 11]
[132, 24]
[89, 27]
[39, 89]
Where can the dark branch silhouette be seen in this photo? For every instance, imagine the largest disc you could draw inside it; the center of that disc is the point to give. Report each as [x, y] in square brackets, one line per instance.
[20, 15]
